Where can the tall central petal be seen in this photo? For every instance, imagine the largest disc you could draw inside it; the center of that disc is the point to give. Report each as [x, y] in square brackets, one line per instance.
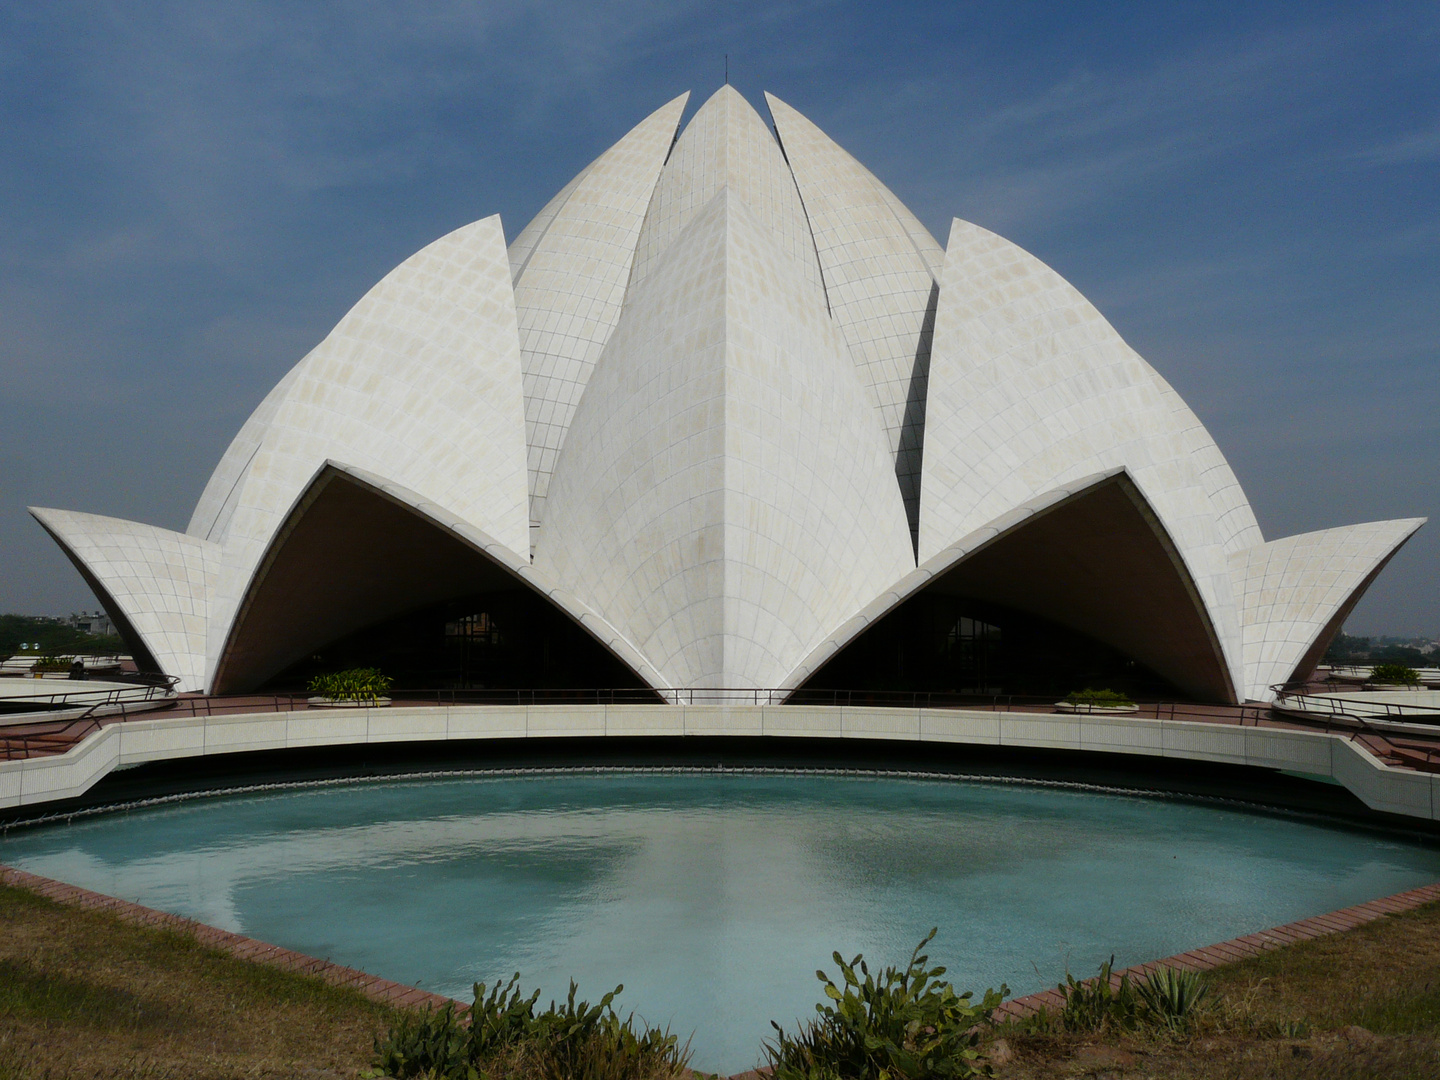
[726, 495]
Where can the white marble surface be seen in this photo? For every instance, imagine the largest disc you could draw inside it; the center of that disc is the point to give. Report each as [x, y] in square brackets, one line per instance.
[880, 277]
[706, 499]
[571, 287]
[1031, 388]
[161, 582]
[723, 352]
[1290, 590]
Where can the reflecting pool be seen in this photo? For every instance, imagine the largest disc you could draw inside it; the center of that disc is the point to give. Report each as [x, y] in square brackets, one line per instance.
[714, 896]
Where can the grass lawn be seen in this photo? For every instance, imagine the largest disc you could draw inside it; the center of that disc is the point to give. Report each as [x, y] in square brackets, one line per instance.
[1365, 1003]
[83, 994]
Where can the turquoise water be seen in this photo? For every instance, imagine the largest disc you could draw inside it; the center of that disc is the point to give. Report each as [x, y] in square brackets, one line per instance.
[714, 897]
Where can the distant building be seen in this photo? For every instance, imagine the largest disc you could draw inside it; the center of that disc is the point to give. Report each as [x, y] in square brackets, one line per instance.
[98, 623]
[726, 415]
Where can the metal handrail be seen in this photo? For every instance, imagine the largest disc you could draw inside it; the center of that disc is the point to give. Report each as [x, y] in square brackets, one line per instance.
[1295, 690]
[28, 743]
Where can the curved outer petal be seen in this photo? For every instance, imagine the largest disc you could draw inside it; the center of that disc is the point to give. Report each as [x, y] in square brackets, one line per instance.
[420, 381]
[880, 285]
[1093, 556]
[155, 583]
[1030, 387]
[570, 291]
[268, 633]
[928, 571]
[1295, 593]
[725, 497]
[726, 144]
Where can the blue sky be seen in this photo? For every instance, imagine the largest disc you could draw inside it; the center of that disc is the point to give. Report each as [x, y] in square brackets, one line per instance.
[193, 193]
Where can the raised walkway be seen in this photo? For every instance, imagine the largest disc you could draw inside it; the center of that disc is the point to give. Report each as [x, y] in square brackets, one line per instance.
[50, 763]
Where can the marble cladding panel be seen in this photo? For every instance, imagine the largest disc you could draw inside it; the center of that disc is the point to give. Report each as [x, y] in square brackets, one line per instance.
[420, 383]
[571, 288]
[727, 145]
[1290, 590]
[211, 517]
[880, 268]
[804, 449]
[160, 580]
[523, 245]
[1031, 388]
[633, 521]
[706, 496]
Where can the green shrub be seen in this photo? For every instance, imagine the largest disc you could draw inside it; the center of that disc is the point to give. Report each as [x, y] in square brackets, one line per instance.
[507, 1037]
[1172, 997]
[1169, 1000]
[1095, 1005]
[1103, 698]
[1395, 675]
[899, 1025]
[355, 684]
[430, 1043]
[51, 663]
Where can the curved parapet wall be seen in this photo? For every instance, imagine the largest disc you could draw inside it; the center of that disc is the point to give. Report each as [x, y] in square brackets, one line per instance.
[1384, 789]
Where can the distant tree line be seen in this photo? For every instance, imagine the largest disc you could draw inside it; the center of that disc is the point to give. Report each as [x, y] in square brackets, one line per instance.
[49, 637]
[1363, 650]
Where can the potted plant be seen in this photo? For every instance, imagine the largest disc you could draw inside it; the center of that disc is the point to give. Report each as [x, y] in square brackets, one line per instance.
[1394, 675]
[352, 688]
[51, 667]
[1096, 701]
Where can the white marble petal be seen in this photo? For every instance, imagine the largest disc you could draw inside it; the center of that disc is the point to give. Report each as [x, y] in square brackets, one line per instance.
[725, 354]
[881, 286]
[156, 580]
[1294, 594]
[726, 496]
[421, 382]
[1030, 388]
[571, 286]
[727, 145]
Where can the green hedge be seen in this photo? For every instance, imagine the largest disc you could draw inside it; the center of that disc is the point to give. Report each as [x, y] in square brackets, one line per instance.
[354, 684]
[1395, 675]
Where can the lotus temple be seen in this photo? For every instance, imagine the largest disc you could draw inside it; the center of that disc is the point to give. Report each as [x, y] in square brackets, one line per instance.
[725, 415]
[728, 540]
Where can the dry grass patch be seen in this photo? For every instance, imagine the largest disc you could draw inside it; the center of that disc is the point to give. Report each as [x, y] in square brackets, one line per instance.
[1352, 1006]
[84, 994]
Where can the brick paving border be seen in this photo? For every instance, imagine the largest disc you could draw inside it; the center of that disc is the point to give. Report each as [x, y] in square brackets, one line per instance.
[243, 948]
[1241, 948]
[398, 994]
